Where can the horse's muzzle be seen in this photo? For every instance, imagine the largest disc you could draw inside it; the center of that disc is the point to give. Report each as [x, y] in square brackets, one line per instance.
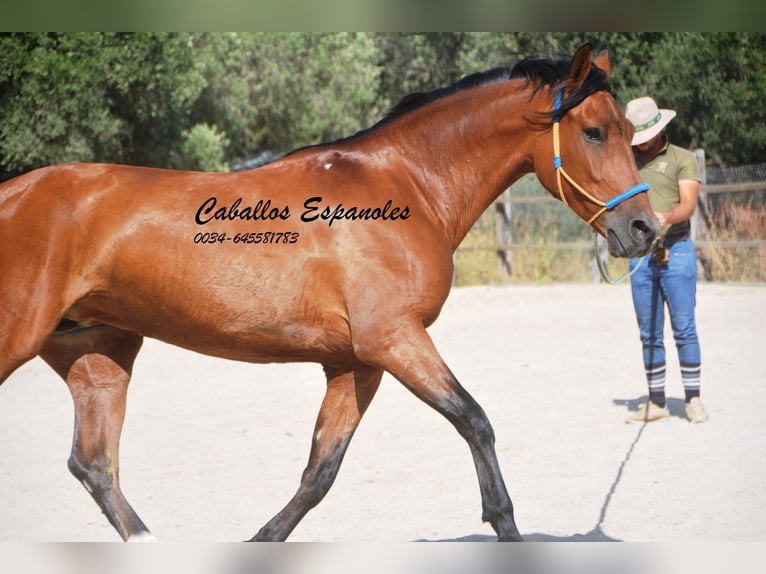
[633, 239]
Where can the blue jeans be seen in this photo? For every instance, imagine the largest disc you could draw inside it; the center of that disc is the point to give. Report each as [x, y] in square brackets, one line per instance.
[675, 285]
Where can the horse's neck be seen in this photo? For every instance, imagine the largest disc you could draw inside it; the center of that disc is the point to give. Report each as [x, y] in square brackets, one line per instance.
[468, 151]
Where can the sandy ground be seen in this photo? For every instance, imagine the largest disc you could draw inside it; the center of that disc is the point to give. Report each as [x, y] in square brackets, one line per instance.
[212, 449]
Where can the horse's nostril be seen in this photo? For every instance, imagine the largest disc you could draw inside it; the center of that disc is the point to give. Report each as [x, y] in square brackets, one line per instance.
[641, 230]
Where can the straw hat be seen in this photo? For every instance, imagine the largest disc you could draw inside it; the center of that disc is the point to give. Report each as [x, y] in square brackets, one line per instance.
[647, 119]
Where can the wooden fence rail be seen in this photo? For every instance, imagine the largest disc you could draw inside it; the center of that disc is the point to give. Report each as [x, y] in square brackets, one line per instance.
[504, 246]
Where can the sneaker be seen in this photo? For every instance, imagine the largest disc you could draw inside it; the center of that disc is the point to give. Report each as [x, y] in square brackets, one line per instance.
[695, 411]
[648, 412]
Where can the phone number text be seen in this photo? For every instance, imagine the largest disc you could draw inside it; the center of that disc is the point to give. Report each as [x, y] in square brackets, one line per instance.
[253, 238]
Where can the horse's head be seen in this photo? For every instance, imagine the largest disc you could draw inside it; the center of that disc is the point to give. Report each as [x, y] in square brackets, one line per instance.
[592, 168]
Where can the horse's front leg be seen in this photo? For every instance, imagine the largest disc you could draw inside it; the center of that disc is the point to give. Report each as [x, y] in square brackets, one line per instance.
[409, 354]
[349, 392]
[96, 364]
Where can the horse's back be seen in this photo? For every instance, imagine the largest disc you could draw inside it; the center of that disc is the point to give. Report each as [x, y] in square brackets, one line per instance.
[61, 189]
[120, 245]
[133, 247]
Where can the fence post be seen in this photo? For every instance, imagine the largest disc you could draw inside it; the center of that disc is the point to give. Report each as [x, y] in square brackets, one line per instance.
[700, 221]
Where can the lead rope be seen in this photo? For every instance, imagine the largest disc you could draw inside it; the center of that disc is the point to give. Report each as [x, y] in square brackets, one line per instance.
[602, 266]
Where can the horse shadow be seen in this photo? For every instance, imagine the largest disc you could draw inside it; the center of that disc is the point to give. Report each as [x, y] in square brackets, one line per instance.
[596, 534]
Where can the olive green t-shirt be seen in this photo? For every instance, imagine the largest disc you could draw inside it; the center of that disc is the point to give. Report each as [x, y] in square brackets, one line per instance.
[662, 173]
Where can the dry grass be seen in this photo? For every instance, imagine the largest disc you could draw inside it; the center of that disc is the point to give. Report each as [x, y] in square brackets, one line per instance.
[721, 260]
[735, 251]
[540, 257]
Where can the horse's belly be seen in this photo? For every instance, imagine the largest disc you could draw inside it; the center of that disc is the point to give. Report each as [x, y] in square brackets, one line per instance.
[327, 342]
[255, 325]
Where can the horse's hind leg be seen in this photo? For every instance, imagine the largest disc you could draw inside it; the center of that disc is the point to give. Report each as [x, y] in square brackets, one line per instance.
[409, 355]
[348, 395]
[96, 364]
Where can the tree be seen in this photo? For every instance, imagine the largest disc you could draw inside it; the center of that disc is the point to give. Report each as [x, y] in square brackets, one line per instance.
[715, 81]
[299, 89]
[155, 98]
[94, 97]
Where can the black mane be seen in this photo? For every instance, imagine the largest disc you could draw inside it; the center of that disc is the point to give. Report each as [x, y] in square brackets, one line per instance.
[417, 100]
[539, 72]
[552, 73]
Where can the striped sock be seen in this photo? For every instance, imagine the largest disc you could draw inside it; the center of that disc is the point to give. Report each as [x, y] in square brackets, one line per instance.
[690, 376]
[655, 377]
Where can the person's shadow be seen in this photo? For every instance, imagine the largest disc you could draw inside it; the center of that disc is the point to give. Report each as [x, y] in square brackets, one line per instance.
[677, 407]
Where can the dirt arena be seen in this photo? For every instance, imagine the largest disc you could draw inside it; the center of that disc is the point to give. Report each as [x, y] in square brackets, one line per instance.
[211, 449]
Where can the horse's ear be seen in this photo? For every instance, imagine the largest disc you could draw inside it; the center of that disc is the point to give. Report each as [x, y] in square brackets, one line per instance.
[602, 61]
[579, 68]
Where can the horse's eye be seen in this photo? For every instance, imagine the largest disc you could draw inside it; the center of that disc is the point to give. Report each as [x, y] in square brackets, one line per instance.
[594, 135]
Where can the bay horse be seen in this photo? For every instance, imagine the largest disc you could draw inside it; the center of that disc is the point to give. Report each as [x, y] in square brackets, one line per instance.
[339, 254]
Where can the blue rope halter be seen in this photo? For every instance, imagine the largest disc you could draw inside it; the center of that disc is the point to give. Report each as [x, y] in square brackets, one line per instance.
[557, 164]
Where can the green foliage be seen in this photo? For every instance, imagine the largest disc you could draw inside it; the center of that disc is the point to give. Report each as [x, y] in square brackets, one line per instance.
[309, 88]
[202, 150]
[419, 62]
[94, 97]
[52, 105]
[138, 98]
[715, 81]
